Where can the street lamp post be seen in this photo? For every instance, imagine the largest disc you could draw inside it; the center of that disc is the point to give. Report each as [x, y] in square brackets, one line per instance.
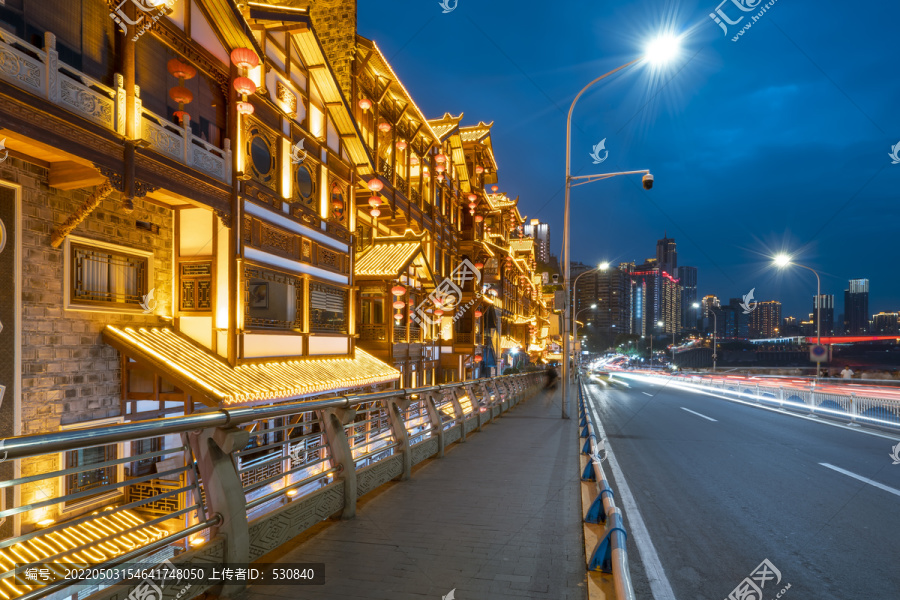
[782, 261]
[575, 295]
[574, 331]
[659, 51]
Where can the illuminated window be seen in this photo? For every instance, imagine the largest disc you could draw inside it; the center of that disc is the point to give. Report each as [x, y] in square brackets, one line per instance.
[272, 300]
[94, 480]
[327, 308]
[106, 277]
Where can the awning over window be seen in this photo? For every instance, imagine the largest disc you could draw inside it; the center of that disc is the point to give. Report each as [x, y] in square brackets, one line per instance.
[389, 259]
[216, 383]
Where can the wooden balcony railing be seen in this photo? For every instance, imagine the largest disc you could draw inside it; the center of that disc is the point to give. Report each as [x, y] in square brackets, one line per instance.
[39, 71]
[373, 333]
[399, 335]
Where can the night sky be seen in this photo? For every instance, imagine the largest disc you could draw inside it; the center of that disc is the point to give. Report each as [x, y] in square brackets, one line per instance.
[777, 141]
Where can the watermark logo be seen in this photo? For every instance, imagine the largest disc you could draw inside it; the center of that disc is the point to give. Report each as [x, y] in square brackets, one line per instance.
[895, 153]
[153, 9]
[751, 587]
[6, 152]
[5, 453]
[296, 149]
[448, 294]
[749, 305]
[445, 4]
[601, 146]
[148, 302]
[895, 455]
[450, 596]
[723, 20]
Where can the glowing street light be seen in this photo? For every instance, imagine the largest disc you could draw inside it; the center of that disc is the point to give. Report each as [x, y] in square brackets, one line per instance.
[659, 51]
[783, 260]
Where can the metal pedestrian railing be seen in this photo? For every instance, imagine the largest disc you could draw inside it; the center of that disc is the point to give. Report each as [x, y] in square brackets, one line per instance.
[609, 553]
[220, 487]
[863, 406]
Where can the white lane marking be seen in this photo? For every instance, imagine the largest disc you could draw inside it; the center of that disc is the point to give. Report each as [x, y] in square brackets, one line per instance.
[656, 576]
[689, 388]
[880, 486]
[698, 414]
[646, 394]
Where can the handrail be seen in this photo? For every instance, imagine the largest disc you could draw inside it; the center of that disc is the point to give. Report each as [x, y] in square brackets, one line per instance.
[43, 443]
[611, 552]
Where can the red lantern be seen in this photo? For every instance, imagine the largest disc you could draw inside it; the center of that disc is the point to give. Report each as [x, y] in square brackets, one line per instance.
[180, 115]
[244, 58]
[438, 312]
[244, 108]
[244, 86]
[181, 70]
[398, 290]
[338, 205]
[384, 126]
[479, 170]
[440, 158]
[479, 218]
[472, 197]
[399, 304]
[375, 184]
[365, 103]
[440, 168]
[398, 317]
[413, 160]
[494, 188]
[440, 177]
[479, 265]
[478, 358]
[471, 211]
[478, 314]
[375, 212]
[181, 95]
[374, 201]
[472, 205]
[401, 145]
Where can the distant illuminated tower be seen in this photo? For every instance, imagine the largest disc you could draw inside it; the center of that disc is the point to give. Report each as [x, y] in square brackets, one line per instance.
[856, 307]
[666, 255]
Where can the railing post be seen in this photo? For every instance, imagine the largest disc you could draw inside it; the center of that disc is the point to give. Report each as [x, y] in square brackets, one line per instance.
[476, 407]
[460, 415]
[51, 68]
[499, 395]
[186, 136]
[228, 159]
[781, 395]
[119, 117]
[854, 410]
[437, 424]
[138, 114]
[213, 449]
[396, 407]
[333, 421]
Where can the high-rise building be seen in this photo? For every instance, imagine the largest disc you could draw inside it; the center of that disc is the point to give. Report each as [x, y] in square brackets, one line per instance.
[827, 311]
[690, 316]
[541, 234]
[645, 300]
[808, 327]
[666, 255]
[585, 292]
[856, 307]
[707, 304]
[737, 322]
[614, 299]
[670, 303]
[790, 327]
[765, 320]
[886, 323]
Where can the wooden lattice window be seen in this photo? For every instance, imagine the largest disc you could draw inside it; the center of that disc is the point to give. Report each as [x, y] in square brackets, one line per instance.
[108, 278]
[327, 308]
[196, 286]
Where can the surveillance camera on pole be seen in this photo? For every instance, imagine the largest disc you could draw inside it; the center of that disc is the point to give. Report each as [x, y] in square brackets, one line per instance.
[647, 180]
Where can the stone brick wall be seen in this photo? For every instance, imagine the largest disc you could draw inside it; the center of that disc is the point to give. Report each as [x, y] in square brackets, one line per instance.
[68, 374]
[335, 24]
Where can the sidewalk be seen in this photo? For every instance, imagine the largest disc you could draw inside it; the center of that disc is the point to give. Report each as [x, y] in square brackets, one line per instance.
[498, 517]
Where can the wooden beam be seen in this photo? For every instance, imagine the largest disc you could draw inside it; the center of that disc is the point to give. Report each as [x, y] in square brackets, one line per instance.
[70, 175]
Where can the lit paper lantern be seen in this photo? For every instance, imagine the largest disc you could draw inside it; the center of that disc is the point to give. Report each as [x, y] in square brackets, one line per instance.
[478, 314]
[244, 86]
[244, 58]
[374, 201]
[440, 168]
[472, 205]
[398, 317]
[479, 170]
[438, 312]
[440, 177]
[472, 197]
[398, 290]
[479, 218]
[375, 212]
[494, 188]
[440, 158]
[384, 126]
[479, 265]
[375, 184]
[180, 69]
[401, 145]
[181, 95]
[399, 304]
[365, 104]
[244, 108]
[478, 358]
